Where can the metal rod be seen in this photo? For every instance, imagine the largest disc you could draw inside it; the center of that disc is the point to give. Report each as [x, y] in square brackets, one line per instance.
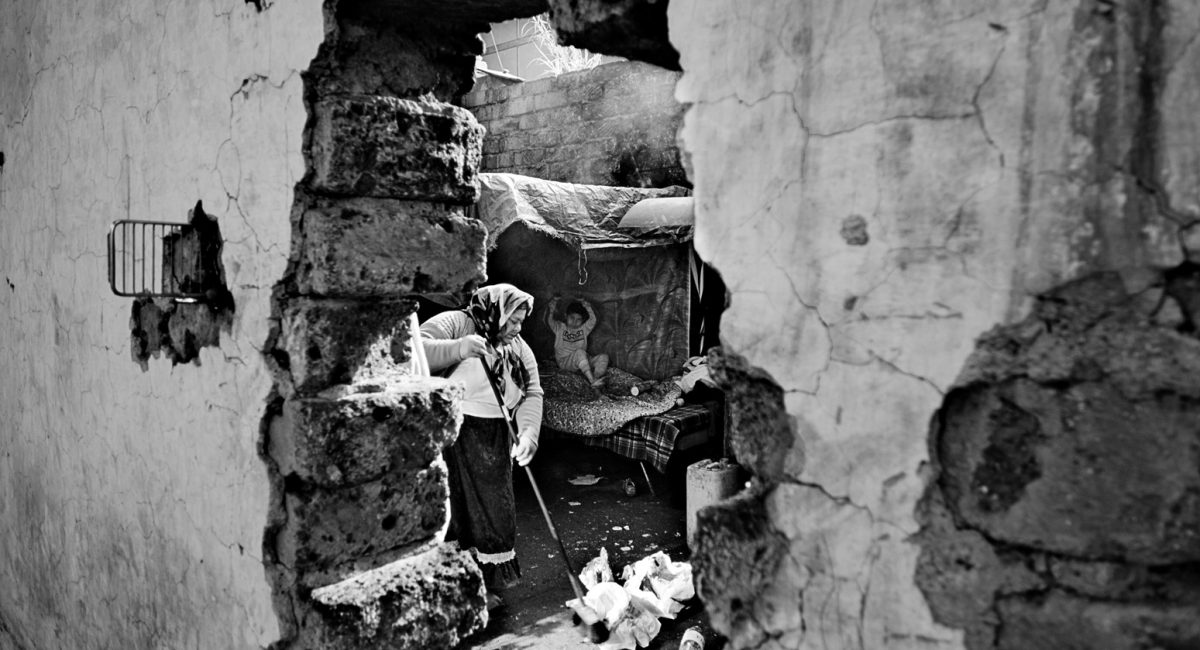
[136, 286]
[647, 475]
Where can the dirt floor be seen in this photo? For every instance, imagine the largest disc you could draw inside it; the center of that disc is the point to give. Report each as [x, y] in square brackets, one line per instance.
[589, 517]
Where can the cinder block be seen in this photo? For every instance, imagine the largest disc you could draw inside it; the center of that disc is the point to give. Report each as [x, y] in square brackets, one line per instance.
[552, 99]
[476, 98]
[547, 138]
[332, 530]
[526, 122]
[506, 124]
[585, 92]
[338, 341]
[492, 146]
[366, 436]
[433, 599]
[385, 248]
[389, 147]
[522, 105]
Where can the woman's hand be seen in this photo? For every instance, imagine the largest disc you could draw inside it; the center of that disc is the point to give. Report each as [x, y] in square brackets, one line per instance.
[525, 448]
[472, 345]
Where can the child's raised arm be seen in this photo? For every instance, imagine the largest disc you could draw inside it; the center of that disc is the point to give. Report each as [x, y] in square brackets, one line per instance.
[551, 307]
[591, 319]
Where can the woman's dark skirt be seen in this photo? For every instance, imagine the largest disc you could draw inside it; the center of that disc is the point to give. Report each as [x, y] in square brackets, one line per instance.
[482, 511]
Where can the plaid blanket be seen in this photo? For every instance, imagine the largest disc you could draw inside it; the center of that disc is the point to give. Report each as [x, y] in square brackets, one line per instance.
[651, 438]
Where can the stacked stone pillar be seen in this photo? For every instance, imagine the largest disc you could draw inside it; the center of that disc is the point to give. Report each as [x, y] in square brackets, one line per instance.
[354, 437]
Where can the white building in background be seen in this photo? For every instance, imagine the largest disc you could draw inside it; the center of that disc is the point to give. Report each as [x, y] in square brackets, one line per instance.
[526, 48]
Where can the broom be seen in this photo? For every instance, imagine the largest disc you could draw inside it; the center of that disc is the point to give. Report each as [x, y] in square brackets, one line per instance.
[597, 632]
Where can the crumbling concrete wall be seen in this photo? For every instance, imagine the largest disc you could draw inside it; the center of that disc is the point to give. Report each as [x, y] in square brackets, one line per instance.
[133, 501]
[880, 184]
[352, 438]
[611, 125]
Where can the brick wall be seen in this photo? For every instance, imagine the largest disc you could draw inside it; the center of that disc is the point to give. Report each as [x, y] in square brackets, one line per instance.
[612, 125]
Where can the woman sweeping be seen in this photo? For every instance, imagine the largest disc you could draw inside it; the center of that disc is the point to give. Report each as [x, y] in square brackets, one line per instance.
[482, 510]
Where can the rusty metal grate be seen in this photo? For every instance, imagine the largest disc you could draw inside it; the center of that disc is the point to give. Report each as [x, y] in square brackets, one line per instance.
[155, 259]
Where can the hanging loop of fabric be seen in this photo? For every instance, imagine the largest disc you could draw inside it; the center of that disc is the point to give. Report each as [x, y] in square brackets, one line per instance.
[582, 259]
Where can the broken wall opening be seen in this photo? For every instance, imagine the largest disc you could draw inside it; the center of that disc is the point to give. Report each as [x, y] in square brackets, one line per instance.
[531, 129]
[351, 435]
[391, 167]
[185, 304]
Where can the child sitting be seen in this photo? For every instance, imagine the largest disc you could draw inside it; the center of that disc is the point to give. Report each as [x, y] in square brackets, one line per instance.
[570, 340]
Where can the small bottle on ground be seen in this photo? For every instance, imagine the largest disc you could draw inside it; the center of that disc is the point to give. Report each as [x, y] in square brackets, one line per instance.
[692, 639]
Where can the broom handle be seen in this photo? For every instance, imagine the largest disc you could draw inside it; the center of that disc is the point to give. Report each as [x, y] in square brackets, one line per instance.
[513, 438]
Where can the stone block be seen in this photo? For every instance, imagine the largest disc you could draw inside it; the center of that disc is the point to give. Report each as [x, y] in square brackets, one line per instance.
[331, 530]
[548, 100]
[738, 555]
[340, 341]
[366, 436]
[1063, 622]
[506, 124]
[434, 599]
[388, 147]
[381, 247]
[491, 146]
[1074, 431]
[1075, 470]
[521, 105]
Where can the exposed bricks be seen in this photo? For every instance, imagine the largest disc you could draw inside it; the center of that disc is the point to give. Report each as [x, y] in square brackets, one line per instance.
[612, 125]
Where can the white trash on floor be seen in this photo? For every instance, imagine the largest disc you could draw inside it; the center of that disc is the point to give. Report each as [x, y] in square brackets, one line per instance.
[654, 587]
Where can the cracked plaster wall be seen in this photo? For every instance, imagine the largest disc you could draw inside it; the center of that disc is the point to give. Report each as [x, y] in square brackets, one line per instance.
[132, 502]
[882, 182]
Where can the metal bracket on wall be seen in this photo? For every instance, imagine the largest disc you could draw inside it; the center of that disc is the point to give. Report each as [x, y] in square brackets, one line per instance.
[156, 259]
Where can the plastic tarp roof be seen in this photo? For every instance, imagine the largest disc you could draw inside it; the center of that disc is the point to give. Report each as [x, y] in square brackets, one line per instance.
[583, 216]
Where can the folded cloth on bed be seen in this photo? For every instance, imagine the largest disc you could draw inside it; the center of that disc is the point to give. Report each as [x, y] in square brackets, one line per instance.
[652, 438]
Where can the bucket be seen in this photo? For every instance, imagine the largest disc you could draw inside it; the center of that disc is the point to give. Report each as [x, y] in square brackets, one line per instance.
[708, 481]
